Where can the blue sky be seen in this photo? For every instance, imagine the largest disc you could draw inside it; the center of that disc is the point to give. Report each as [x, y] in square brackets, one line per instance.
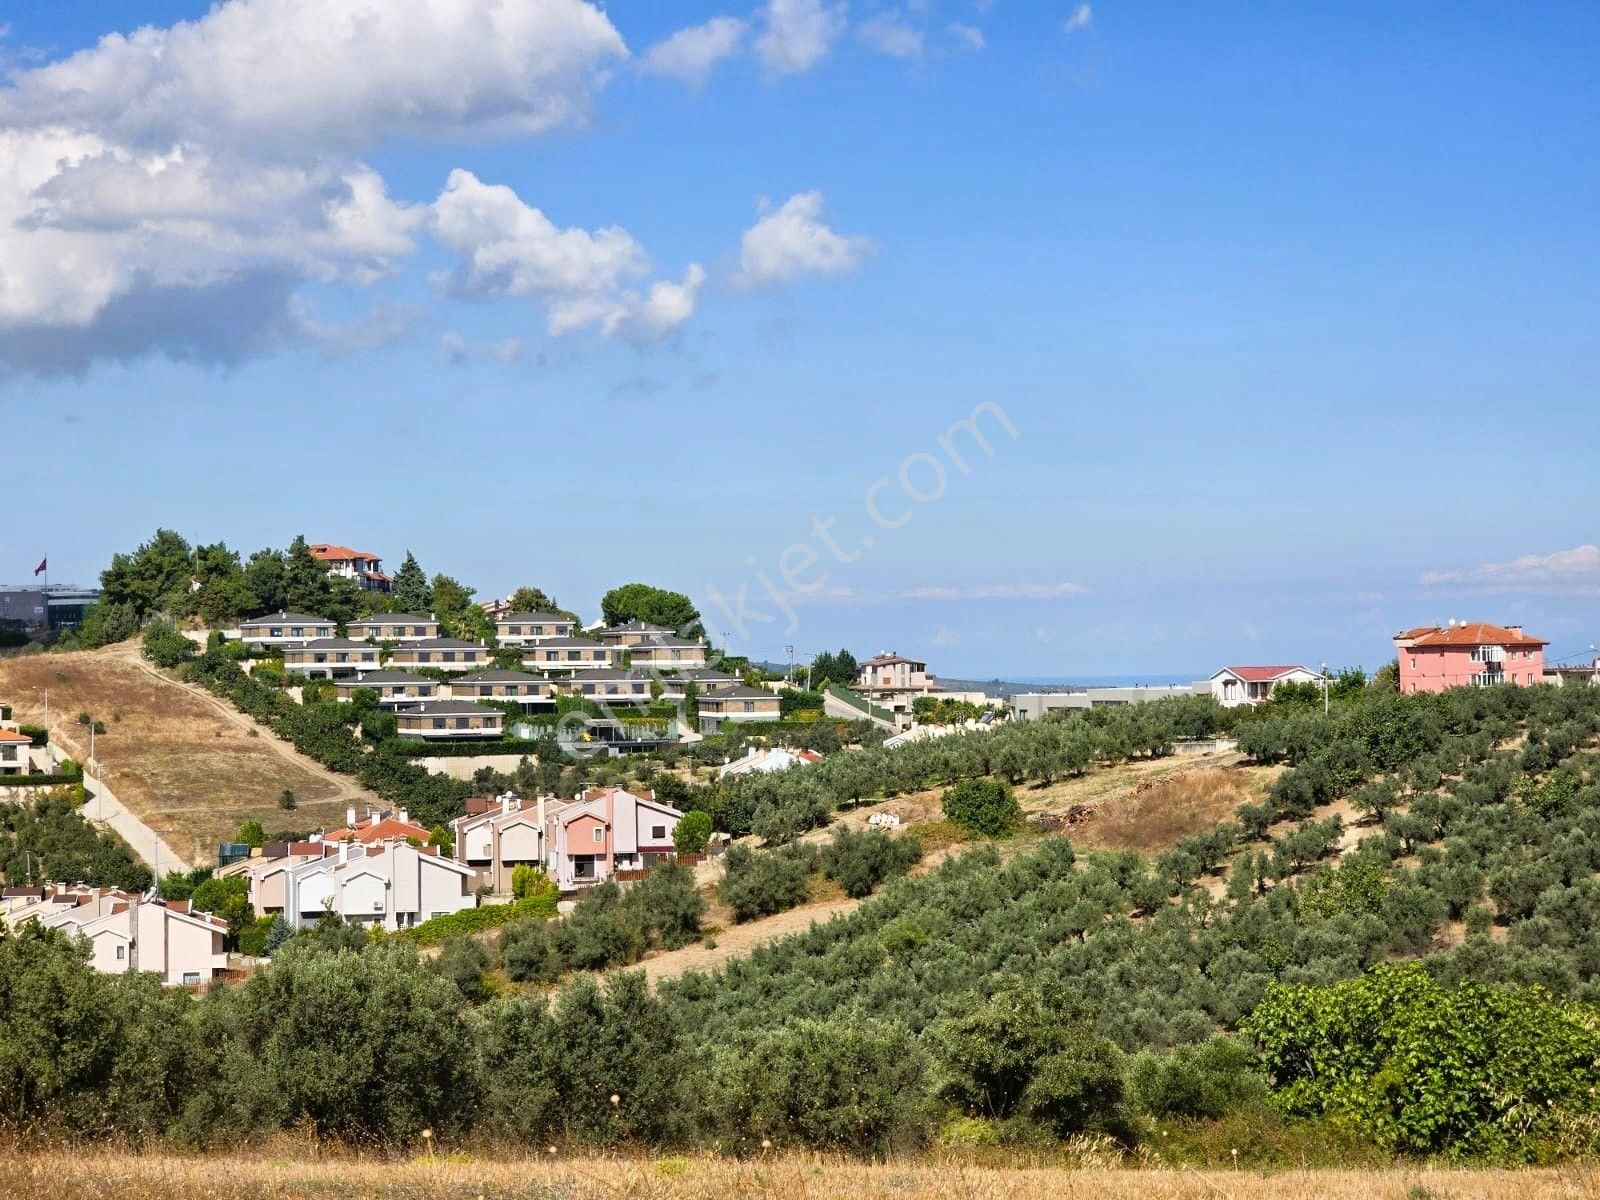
[1292, 309]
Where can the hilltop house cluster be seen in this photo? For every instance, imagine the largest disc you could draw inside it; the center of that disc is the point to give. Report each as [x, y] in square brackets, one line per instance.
[402, 656]
[126, 931]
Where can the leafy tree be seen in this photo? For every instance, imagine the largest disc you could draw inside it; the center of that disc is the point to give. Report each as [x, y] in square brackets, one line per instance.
[1030, 1051]
[692, 833]
[458, 616]
[266, 581]
[529, 882]
[840, 668]
[843, 1085]
[165, 646]
[108, 622]
[532, 599]
[982, 806]
[220, 595]
[1209, 1080]
[760, 884]
[667, 906]
[409, 590]
[653, 605]
[305, 580]
[859, 862]
[251, 833]
[1427, 1068]
[154, 578]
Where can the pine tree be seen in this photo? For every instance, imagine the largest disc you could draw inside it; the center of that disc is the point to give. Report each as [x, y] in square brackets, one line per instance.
[411, 591]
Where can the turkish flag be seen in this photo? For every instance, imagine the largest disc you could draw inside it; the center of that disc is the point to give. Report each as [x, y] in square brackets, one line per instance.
[43, 564]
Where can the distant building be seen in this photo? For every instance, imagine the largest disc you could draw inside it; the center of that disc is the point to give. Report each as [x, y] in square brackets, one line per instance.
[1467, 654]
[1233, 686]
[894, 682]
[365, 569]
[57, 606]
[1029, 706]
[331, 657]
[528, 628]
[449, 720]
[737, 704]
[284, 628]
[394, 627]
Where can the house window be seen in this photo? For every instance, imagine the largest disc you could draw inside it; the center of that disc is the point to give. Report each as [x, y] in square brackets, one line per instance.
[1413, 664]
[121, 952]
[599, 834]
[438, 723]
[658, 832]
[749, 706]
[462, 723]
[516, 629]
[191, 977]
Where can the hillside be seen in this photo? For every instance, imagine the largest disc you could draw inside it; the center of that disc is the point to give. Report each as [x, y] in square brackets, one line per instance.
[189, 766]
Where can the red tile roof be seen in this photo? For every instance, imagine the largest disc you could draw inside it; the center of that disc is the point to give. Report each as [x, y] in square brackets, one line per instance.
[11, 735]
[379, 831]
[331, 553]
[1262, 674]
[1475, 633]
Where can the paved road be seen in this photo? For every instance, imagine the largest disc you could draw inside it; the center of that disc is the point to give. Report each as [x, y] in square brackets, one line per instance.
[105, 809]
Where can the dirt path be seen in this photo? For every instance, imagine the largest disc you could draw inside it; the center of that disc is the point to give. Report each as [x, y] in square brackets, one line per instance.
[741, 939]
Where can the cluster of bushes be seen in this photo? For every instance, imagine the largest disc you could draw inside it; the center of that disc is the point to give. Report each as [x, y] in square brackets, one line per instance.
[609, 927]
[48, 840]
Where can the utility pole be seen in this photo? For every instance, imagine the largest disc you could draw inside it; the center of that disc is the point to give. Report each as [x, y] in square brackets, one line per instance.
[789, 678]
[1324, 689]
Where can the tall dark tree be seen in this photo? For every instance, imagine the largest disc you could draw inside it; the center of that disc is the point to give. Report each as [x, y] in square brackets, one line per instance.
[653, 605]
[266, 581]
[411, 593]
[840, 668]
[458, 615]
[154, 578]
[532, 599]
[220, 595]
[305, 583]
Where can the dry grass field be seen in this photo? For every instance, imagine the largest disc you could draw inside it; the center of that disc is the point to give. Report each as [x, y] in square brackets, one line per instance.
[185, 763]
[103, 1176]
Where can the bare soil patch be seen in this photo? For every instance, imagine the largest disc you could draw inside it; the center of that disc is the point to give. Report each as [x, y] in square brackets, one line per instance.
[185, 764]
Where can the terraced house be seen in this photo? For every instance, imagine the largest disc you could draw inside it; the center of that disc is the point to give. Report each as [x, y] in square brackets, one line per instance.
[526, 628]
[738, 704]
[394, 627]
[528, 690]
[331, 657]
[444, 720]
[563, 655]
[666, 653]
[393, 687]
[441, 654]
[282, 628]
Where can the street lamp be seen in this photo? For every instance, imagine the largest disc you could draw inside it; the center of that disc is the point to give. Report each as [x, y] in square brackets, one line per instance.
[1324, 689]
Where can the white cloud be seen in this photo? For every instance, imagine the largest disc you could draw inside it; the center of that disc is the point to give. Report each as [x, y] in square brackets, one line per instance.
[1577, 564]
[275, 71]
[690, 54]
[1082, 17]
[385, 325]
[507, 248]
[889, 35]
[791, 240]
[970, 35]
[797, 34]
[170, 190]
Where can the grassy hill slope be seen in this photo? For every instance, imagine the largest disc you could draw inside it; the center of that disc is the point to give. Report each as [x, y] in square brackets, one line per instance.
[188, 765]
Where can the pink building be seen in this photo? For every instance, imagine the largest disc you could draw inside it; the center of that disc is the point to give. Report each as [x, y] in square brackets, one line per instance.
[1467, 654]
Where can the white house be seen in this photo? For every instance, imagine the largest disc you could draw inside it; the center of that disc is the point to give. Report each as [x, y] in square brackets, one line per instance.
[778, 758]
[394, 886]
[1233, 686]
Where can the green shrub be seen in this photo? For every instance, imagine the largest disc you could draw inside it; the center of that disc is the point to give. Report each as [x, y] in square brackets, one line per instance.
[475, 920]
[165, 646]
[692, 833]
[1421, 1067]
[859, 862]
[982, 806]
[1216, 1077]
[758, 884]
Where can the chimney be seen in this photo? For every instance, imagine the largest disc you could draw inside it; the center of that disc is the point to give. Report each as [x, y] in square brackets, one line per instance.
[505, 802]
[541, 814]
[405, 817]
[350, 817]
[344, 853]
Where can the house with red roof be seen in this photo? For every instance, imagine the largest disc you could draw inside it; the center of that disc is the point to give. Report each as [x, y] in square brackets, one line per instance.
[15, 756]
[1233, 686]
[366, 569]
[1467, 654]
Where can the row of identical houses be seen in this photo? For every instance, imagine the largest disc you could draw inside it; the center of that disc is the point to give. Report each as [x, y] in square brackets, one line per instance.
[382, 872]
[389, 652]
[127, 931]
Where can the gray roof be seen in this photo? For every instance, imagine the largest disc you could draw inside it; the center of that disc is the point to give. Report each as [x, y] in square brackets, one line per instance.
[635, 626]
[738, 692]
[448, 708]
[286, 618]
[546, 617]
[608, 674]
[381, 677]
[568, 643]
[671, 641]
[439, 643]
[394, 619]
[704, 675]
[334, 643]
[500, 676]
